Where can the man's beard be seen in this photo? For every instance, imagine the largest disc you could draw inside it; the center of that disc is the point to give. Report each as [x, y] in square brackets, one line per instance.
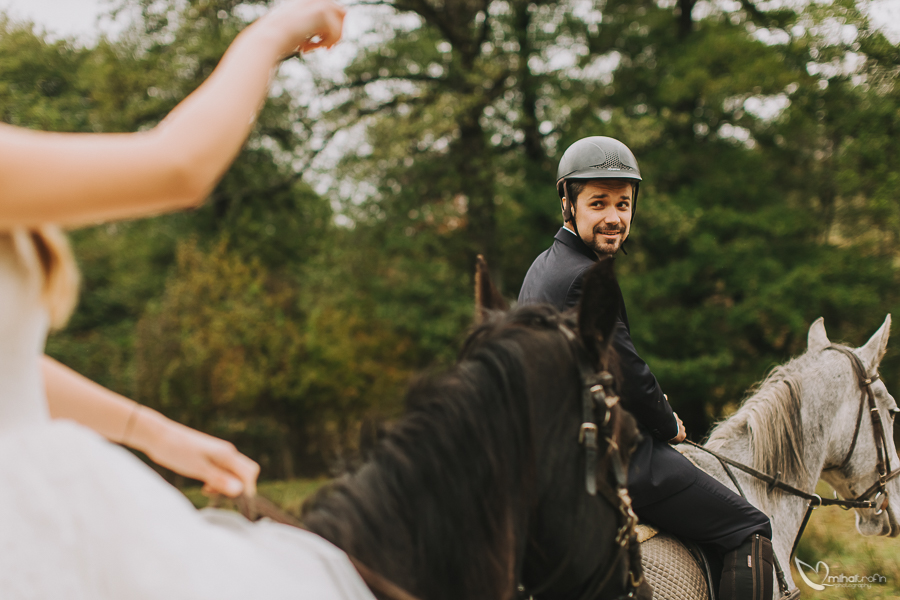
[599, 245]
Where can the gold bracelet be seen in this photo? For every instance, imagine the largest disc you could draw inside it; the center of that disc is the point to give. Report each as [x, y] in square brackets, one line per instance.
[129, 424]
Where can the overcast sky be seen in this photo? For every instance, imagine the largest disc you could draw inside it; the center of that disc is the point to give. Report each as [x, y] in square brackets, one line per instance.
[62, 18]
[81, 18]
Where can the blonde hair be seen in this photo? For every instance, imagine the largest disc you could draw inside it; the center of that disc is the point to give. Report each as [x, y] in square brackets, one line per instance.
[45, 251]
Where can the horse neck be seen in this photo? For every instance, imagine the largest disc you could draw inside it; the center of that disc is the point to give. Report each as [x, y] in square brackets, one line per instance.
[442, 507]
[821, 402]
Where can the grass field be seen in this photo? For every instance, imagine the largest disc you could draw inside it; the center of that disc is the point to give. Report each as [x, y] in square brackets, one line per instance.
[289, 495]
[830, 537]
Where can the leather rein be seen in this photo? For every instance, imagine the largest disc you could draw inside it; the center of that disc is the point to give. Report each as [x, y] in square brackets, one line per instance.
[883, 463]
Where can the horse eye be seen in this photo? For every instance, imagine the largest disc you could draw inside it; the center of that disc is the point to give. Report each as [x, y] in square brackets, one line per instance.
[894, 411]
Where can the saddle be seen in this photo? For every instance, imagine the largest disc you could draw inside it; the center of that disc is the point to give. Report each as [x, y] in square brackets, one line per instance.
[679, 569]
[676, 569]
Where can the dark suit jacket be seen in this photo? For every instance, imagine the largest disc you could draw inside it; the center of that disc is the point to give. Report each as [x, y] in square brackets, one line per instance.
[657, 470]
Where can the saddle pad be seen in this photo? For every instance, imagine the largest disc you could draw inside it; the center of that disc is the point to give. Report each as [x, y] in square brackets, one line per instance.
[671, 570]
[644, 532]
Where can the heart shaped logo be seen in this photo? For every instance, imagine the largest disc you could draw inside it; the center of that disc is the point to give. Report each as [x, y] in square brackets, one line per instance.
[803, 568]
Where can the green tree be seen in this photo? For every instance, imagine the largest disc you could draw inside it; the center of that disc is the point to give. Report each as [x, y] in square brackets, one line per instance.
[768, 196]
[231, 349]
[767, 140]
[269, 217]
[749, 230]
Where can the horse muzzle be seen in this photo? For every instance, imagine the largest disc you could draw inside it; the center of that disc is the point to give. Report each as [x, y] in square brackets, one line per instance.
[881, 521]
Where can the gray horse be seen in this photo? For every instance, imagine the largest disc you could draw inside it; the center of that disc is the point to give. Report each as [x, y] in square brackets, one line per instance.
[798, 422]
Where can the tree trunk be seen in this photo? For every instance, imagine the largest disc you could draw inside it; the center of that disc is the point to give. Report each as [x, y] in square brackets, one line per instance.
[685, 20]
[477, 184]
[534, 151]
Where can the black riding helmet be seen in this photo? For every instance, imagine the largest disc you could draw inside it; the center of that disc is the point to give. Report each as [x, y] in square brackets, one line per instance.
[596, 157]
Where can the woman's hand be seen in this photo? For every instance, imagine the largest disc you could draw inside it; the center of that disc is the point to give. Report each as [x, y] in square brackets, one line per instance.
[184, 450]
[194, 454]
[100, 177]
[303, 25]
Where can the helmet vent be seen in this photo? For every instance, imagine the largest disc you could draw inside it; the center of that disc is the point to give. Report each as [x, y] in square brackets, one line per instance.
[612, 163]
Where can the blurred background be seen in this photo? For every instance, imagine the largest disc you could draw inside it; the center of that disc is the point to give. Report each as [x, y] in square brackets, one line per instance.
[335, 259]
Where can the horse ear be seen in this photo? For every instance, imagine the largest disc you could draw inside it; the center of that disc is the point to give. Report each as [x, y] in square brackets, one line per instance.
[598, 310]
[817, 340]
[487, 297]
[872, 353]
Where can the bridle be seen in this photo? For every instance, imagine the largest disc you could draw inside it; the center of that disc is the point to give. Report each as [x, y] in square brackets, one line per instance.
[597, 394]
[883, 461]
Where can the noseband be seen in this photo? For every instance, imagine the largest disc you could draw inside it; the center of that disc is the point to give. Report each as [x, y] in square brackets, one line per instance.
[597, 394]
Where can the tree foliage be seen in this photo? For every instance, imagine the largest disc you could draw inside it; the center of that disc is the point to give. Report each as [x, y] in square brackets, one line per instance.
[282, 319]
[766, 140]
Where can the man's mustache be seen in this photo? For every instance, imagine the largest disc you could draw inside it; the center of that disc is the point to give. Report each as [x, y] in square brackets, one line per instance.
[612, 231]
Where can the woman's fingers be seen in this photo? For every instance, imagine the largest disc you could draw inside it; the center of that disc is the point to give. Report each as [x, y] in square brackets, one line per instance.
[335, 21]
[230, 464]
[329, 33]
[221, 482]
[230, 476]
[307, 24]
[215, 462]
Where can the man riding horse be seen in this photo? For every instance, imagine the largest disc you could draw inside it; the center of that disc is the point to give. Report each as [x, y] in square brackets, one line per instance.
[597, 181]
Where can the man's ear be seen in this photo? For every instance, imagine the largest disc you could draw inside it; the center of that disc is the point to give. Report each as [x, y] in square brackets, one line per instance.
[598, 310]
[566, 210]
[487, 296]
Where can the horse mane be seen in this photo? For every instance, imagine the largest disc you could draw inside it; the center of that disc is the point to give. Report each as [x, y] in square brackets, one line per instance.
[461, 459]
[770, 413]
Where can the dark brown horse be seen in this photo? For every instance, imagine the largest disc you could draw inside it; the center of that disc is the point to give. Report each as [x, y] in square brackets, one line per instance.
[479, 491]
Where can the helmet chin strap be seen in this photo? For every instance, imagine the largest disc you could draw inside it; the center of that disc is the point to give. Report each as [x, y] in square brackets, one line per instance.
[568, 191]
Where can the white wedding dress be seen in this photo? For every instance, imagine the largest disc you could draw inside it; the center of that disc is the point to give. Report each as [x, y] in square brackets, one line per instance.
[83, 519]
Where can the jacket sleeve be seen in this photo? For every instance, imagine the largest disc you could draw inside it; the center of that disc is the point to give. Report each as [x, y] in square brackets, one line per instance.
[641, 394]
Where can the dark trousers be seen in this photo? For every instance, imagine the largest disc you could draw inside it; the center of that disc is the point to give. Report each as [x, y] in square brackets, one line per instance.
[708, 513]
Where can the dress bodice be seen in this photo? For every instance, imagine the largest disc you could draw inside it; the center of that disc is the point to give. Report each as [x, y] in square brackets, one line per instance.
[23, 332]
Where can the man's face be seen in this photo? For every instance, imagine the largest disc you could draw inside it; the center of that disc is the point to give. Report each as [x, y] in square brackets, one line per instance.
[603, 214]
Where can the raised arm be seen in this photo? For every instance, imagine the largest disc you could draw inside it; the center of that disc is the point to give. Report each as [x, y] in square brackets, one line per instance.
[77, 179]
